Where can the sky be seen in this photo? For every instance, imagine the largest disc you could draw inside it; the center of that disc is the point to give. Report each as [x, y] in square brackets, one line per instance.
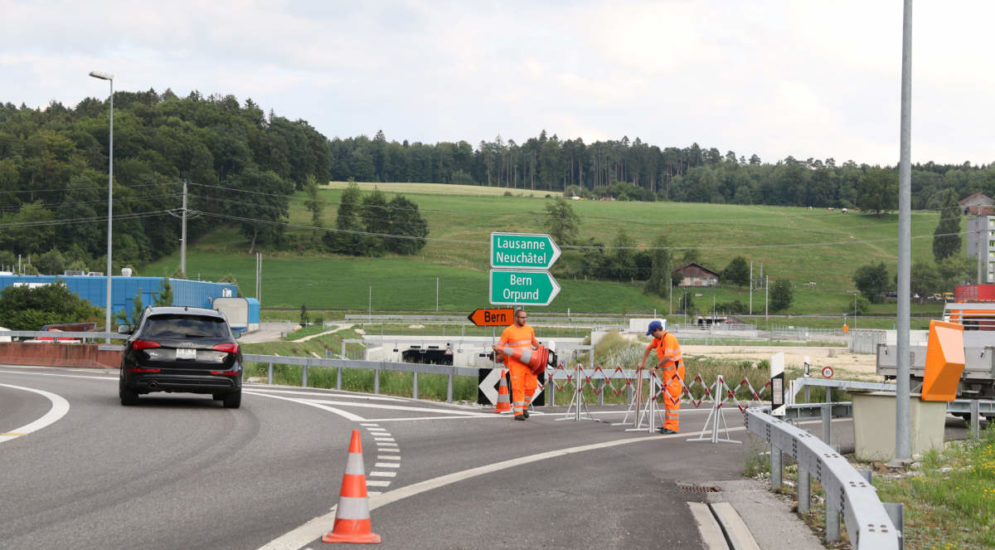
[776, 78]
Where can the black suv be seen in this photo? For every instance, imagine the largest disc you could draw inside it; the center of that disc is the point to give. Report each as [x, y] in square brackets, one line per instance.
[181, 349]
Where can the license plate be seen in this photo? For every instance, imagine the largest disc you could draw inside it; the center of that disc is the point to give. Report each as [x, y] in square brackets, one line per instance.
[184, 353]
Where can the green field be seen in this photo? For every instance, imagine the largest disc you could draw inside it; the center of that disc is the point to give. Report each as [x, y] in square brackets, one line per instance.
[818, 250]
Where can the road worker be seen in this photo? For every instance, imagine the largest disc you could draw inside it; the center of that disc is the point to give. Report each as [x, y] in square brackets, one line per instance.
[670, 371]
[523, 382]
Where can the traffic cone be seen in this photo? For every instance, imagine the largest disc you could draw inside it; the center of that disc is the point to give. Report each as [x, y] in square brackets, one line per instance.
[352, 517]
[536, 359]
[503, 402]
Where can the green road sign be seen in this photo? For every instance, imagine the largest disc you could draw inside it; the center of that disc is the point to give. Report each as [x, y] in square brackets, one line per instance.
[529, 288]
[522, 251]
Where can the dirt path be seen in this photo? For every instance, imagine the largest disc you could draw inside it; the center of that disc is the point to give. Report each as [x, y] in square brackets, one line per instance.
[844, 363]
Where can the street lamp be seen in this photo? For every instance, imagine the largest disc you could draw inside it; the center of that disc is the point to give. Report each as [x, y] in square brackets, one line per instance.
[110, 198]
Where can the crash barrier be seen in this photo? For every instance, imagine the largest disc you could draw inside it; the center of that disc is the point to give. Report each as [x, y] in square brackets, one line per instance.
[376, 366]
[848, 493]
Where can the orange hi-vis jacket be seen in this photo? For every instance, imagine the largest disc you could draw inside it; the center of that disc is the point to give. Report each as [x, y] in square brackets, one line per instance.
[523, 382]
[517, 337]
[668, 350]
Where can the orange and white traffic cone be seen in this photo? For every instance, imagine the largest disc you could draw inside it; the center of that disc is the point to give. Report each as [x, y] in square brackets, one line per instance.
[352, 517]
[504, 401]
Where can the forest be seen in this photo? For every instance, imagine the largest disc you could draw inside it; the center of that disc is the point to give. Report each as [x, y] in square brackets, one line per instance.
[241, 165]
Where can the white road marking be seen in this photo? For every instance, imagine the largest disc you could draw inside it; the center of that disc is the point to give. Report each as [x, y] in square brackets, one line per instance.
[382, 456]
[325, 393]
[344, 414]
[397, 407]
[386, 465]
[377, 483]
[375, 473]
[59, 409]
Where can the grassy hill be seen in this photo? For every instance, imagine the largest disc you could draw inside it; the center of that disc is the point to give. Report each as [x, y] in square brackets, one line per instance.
[817, 249]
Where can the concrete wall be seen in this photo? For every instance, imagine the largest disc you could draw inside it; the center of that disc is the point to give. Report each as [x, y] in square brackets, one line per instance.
[59, 355]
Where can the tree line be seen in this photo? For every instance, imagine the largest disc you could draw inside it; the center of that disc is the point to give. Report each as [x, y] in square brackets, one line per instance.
[635, 170]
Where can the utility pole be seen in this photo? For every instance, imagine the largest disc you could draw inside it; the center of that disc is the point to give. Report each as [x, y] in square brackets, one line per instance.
[259, 277]
[766, 298]
[903, 445]
[183, 232]
[982, 223]
[751, 287]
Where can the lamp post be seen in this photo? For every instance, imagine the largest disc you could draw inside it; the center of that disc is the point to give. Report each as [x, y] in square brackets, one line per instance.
[110, 198]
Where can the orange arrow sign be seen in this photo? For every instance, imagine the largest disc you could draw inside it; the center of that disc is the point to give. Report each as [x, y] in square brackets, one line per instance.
[492, 317]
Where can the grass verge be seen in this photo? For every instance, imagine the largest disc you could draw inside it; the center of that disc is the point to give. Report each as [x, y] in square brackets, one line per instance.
[949, 495]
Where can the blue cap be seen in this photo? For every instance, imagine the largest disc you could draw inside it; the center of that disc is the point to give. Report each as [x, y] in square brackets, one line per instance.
[654, 325]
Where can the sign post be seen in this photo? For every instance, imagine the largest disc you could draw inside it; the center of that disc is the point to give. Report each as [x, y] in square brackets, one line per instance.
[523, 251]
[533, 288]
[493, 317]
[519, 274]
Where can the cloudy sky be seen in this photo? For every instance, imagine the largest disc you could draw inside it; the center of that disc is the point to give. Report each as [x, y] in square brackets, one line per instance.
[806, 78]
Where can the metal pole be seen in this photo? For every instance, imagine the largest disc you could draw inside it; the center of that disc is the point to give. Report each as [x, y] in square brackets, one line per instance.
[767, 299]
[110, 216]
[110, 201]
[804, 490]
[259, 277]
[903, 446]
[776, 464]
[981, 222]
[436, 294]
[751, 287]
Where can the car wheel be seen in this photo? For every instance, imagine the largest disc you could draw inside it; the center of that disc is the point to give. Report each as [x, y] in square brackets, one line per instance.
[129, 397]
[232, 400]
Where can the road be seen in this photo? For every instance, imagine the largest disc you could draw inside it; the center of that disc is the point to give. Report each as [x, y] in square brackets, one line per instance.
[180, 471]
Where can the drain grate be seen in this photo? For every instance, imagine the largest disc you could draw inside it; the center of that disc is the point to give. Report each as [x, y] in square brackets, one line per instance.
[698, 488]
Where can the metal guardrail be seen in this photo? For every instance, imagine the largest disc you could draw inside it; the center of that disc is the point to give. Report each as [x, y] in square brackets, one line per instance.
[375, 366]
[848, 493]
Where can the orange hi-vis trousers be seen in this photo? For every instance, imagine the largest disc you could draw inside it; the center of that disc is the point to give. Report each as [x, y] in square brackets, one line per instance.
[523, 386]
[673, 387]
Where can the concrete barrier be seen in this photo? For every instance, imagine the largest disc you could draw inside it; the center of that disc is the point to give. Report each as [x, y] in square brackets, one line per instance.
[59, 355]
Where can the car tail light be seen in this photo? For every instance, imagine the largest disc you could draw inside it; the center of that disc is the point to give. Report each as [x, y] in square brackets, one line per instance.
[230, 348]
[235, 372]
[144, 344]
[143, 371]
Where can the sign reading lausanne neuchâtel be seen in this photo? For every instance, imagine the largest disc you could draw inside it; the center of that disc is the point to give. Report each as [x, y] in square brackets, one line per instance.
[523, 251]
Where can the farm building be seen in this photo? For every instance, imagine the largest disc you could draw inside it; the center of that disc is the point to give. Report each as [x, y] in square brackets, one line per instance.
[697, 275]
[977, 204]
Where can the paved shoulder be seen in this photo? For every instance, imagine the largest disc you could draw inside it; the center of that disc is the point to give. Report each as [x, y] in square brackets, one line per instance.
[768, 518]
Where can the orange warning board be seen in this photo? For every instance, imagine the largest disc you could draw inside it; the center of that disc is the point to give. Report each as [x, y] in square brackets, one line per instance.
[492, 317]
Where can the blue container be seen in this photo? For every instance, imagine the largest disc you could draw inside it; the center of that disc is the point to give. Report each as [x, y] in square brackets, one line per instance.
[124, 289]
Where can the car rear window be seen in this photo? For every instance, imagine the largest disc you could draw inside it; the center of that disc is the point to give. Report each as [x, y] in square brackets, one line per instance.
[184, 326]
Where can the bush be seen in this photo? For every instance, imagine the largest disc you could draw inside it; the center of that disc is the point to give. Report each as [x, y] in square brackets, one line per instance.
[24, 308]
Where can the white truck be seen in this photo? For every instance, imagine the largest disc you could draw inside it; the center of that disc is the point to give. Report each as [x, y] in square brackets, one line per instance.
[978, 379]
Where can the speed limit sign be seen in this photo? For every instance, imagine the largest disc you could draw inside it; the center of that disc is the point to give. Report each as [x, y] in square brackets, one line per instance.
[827, 372]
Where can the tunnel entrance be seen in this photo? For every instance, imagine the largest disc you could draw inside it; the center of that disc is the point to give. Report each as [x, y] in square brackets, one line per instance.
[431, 355]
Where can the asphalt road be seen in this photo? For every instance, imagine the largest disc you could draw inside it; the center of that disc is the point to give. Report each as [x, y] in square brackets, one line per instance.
[180, 471]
